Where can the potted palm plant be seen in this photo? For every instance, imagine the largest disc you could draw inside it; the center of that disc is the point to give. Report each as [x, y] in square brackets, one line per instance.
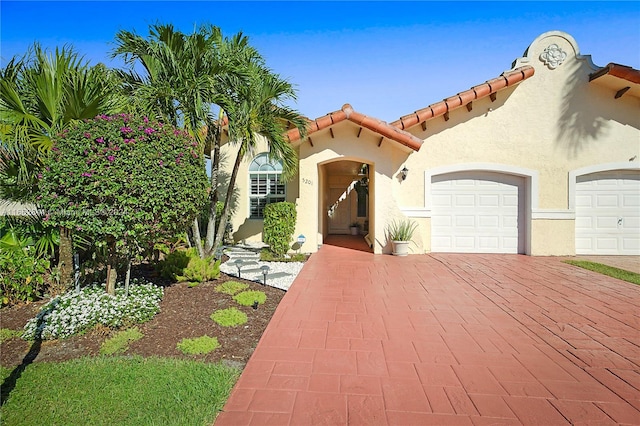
[400, 233]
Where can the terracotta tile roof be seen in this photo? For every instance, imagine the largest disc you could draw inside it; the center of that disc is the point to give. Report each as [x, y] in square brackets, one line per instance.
[507, 79]
[621, 71]
[375, 125]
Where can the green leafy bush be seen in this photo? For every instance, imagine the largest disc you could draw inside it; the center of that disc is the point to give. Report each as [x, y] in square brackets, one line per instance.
[199, 345]
[231, 287]
[248, 298]
[279, 226]
[22, 275]
[187, 266]
[119, 343]
[73, 312]
[229, 317]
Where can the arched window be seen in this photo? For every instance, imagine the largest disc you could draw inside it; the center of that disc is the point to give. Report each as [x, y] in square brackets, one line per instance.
[265, 184]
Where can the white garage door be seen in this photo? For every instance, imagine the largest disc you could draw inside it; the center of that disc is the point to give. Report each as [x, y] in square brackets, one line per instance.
[608, 213]
[477, 212]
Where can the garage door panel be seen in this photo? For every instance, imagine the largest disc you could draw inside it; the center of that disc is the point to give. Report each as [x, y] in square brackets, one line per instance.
[607, 222]
[487, 221]
[484, 209]
[608, 213]
[607, 201]
[631, 223]
[465, 200]
[630, 200]
[465, 221]
[584, 201]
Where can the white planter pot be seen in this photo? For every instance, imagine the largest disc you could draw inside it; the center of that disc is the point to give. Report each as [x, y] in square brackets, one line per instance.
[400, 248]
[354, 230]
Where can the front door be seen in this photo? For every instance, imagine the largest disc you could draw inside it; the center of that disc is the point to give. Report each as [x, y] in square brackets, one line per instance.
[339, 211]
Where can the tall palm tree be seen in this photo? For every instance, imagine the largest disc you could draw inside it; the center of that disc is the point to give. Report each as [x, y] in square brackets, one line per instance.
[260, 109]
[41, 93]
[184, 79]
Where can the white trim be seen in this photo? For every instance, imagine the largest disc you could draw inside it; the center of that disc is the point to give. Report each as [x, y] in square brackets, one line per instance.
[553, 214]
[416, 212]
[595, 168]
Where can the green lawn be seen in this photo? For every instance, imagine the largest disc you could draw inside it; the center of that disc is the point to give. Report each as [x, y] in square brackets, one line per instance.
[621, 274]
[118, 391]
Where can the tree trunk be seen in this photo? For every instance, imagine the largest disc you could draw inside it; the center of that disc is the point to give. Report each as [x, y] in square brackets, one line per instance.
[65, 259]
[127, 278]
[195, 230]
[227, 200]
[112, 274]
[214, 155]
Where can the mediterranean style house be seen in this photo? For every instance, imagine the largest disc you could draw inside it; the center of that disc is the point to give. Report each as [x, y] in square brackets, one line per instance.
[542, 160]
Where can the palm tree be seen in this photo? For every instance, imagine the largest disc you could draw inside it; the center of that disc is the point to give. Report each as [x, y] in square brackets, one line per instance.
[184, 78]
[41, 93]
[260, 109]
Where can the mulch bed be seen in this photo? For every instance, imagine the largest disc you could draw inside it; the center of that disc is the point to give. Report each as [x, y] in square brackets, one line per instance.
[184, 313]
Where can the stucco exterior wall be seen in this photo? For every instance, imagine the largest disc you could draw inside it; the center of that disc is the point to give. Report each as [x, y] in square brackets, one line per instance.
[546, 130]
[384, 161]
[553, 123]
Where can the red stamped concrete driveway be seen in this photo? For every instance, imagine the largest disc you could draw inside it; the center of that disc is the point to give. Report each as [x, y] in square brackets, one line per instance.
[444, 339]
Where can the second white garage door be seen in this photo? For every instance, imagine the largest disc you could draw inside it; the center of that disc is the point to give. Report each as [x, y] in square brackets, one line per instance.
[608, 213]
[477, 212]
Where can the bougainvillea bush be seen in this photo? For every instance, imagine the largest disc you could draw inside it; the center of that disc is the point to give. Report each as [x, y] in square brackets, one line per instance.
[124, 180]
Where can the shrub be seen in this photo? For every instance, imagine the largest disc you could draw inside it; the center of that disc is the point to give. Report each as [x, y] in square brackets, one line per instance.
[279, 226]
[267, 255]
[231, 287]
[229, 317]
[248, 298]
[187, 266]
[22, 275]
[6, 334]
[119, 343]
[199, 345]
[128, 181]
[74, 312]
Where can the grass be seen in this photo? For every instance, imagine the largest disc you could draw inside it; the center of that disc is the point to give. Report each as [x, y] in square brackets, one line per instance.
[199, 345]
[118, 390]
[119, 343]
[618, 273]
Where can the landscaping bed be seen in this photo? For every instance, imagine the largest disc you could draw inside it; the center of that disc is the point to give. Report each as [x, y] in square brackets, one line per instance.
[185, 312]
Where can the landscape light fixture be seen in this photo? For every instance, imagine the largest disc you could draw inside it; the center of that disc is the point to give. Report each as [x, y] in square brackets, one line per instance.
[404, 172]
[265, 271]
[238, 264]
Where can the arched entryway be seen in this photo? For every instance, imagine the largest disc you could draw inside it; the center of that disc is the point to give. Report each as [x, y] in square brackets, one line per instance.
[345, 203]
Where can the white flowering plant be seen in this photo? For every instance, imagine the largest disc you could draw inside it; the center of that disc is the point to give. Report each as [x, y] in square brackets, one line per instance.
[72, 312]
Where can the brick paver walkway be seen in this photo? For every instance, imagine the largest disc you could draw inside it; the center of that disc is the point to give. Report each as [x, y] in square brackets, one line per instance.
[364, 339]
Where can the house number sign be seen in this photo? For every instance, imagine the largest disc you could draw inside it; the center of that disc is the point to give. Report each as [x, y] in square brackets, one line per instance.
[307, 181]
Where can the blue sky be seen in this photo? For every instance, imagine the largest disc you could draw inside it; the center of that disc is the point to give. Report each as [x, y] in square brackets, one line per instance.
[387, 59]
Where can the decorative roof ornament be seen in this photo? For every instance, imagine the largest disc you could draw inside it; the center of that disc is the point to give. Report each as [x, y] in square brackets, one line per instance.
[553, 56]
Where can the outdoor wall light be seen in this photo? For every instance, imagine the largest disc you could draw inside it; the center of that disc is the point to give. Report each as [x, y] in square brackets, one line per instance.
[238, 264]
[265, 271]
[404, 172]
